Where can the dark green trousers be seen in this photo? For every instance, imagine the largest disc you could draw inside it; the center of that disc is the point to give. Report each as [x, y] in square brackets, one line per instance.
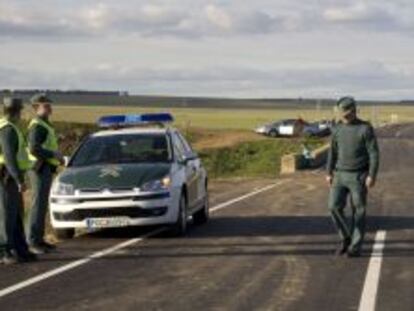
[41, 181]
[12, 237]
[349, 184]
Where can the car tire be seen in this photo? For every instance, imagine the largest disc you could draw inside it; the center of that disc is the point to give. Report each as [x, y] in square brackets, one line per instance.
[273, 133]
[65, 234]
[202, 216]
[179, 228]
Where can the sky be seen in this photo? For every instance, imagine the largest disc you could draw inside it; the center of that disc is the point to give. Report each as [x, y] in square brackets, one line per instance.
[229, 48]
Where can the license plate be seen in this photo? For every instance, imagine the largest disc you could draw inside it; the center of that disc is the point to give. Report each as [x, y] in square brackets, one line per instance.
[107, 222]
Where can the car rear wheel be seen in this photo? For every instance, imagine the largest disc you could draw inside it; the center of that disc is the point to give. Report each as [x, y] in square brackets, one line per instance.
[65, 234]
[180, 227]
[202, 216]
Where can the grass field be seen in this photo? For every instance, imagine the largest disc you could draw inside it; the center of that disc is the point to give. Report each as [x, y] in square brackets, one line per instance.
[232, 118]
[253, 158]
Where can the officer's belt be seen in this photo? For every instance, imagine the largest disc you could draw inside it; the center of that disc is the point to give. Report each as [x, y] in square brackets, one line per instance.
[359, 170]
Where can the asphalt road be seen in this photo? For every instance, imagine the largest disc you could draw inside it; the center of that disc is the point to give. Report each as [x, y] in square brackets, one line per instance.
[270, 250]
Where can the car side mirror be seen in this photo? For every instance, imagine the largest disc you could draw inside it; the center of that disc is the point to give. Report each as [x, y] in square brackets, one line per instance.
[188, 157]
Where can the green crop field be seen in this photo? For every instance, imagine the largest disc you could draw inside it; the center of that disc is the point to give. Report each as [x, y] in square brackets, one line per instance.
[243, 118]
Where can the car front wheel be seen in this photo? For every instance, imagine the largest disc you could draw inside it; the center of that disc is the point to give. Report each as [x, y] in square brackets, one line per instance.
[273, 133]
[202, 216]
[179, 228]
[65, 234]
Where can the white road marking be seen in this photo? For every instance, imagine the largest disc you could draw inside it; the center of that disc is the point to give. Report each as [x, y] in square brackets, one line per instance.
[47, 275]
[75, 264]
[369, 293]
[246, 196]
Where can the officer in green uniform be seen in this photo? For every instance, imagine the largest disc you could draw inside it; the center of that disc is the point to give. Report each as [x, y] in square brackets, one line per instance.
[44, 154]
[13, 162]
[353, 163]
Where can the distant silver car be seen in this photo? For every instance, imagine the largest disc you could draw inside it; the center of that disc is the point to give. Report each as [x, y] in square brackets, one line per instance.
[275, 129]
[288, 127]
[295, 127]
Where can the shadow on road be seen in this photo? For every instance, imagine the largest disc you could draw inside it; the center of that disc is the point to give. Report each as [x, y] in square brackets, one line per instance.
[248, 226]
[299, 236]
[293, 225]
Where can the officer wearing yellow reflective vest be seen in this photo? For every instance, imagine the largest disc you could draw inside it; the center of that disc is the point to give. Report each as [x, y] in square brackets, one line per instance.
[14, 162]
[44, 154]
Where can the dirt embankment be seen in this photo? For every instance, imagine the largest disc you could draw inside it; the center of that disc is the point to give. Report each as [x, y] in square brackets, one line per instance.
[214, 139]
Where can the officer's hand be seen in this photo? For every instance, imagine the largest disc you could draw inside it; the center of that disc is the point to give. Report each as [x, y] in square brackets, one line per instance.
[329, 180]
[370, 182]
[60, 157]
[22, 187]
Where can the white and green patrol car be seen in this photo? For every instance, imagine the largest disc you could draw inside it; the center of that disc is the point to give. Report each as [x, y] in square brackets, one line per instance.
[131, 175]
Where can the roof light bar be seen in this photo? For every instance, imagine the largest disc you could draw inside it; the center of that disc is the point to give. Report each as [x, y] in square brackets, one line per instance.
[131, 120]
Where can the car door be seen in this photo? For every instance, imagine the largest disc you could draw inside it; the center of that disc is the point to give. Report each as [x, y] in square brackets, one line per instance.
[187, 164]
[199, 170]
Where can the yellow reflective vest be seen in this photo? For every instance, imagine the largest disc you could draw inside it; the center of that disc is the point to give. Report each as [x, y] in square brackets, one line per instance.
[51, 142]
[23, 161]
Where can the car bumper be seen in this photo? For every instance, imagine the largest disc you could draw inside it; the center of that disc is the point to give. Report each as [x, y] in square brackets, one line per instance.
[261, 131]
[110, 213]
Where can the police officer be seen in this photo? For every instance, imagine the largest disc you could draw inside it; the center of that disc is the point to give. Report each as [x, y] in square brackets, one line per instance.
[353, 163]
[43, 149]
[13, 162]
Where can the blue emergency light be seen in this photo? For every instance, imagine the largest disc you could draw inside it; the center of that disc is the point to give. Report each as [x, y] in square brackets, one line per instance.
[119, 121]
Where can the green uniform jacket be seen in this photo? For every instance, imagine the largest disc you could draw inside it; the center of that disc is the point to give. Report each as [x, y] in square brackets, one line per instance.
[9, 143]
[354, 147]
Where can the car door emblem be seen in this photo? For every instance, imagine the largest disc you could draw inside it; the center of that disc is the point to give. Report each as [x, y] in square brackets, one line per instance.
[113, 171]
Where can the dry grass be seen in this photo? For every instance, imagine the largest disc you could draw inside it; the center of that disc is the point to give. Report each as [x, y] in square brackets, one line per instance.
[213, 139]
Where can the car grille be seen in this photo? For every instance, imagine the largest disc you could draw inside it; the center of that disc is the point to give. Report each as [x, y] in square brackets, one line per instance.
[100, 190]
[156, 196]
[132, 212]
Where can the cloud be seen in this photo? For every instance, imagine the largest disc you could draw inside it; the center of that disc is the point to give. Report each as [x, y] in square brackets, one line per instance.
[369, 79]
[355, 12]
[109, 18]
[90, 20]
[370, 15]
[218, 17]
[180, 18]
[18, 22]
[97, 17]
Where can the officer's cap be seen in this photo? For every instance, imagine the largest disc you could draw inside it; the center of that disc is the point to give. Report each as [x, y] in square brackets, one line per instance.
[13, 103]
[346, 104]
[41, 98]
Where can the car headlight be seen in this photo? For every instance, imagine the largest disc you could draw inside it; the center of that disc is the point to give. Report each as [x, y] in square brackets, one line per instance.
[60, 188]
[157, 185]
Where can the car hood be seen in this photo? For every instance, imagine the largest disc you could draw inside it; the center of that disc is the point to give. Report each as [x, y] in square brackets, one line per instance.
[117, 176]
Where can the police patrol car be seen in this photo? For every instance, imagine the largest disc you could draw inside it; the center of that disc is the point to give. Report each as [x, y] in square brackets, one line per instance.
[136, 171]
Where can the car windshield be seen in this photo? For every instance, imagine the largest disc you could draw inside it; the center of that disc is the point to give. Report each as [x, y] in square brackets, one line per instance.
[118, 149]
